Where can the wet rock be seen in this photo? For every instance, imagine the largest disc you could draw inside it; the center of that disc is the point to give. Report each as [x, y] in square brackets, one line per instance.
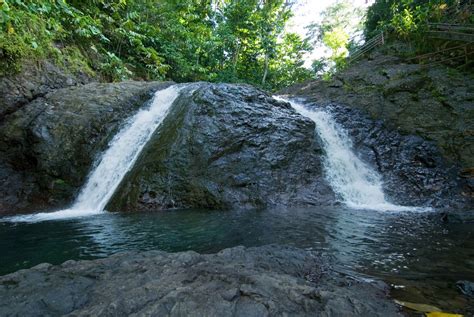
[264, 281]
[34, 81]
[466, 287]
[423, 117]
[227, 146]
[413, 170]
[48, 146]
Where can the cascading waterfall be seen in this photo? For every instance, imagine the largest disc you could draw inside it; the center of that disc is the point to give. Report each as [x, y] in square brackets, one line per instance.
[358, 185]
[116, 161]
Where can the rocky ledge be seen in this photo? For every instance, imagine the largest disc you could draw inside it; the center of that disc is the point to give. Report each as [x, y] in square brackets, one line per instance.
[271, 280]
[432, 103]
[221, 146]
[413, 170]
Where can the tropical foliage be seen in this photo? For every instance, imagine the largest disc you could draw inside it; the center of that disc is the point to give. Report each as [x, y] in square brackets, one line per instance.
[408, 18]
[182, 40]
[339, 29]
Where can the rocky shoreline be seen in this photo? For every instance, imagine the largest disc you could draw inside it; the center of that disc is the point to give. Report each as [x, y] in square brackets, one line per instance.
[261, 281]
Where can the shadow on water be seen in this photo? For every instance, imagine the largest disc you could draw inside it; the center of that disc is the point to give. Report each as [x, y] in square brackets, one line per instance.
[416, 253]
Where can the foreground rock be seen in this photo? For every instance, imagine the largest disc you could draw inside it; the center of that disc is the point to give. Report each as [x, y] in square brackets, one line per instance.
[227, 146]
[263, 281]
[48, 145]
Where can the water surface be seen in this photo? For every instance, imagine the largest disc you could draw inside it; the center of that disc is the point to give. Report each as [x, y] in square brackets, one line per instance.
[420, 255]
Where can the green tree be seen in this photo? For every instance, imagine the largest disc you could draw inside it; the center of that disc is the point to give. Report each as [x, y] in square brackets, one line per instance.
[405, 17]
[341, 24]
[182, 40]
[287, 66]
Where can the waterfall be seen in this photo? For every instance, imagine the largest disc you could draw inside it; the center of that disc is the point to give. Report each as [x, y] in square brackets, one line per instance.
[116, 161]
[357, 184]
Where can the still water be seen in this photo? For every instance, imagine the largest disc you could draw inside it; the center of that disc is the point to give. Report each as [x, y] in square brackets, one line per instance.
[419, 255]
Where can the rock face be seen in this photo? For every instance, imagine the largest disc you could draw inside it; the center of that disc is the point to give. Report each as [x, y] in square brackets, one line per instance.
[227, 146]
[48, 146]
[419, 103]
[34, 81]
[221, 146]
[413, 170]
[263, 281]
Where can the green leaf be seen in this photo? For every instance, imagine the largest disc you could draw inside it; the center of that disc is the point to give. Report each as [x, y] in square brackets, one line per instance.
[441, 314]
[424, 308]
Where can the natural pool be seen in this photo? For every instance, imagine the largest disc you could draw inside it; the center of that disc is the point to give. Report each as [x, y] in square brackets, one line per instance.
[417, 253]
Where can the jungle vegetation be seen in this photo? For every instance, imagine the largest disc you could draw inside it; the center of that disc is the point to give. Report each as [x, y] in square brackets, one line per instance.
[244, 41]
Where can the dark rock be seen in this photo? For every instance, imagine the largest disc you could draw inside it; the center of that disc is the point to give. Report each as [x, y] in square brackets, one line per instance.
[458, 216]
[227, 146]
[466, 287]
[34, 81]
[413, 170]
[420, 124]
[264, 281]
[48, 146]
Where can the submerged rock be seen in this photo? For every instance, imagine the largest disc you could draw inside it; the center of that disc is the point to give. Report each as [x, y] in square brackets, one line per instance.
[458, 216]
[263, 281]
[227, 146]
[466, 287]
[48, 146]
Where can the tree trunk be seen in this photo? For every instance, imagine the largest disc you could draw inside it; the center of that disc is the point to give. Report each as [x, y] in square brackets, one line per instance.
[236, 58]
[265, 71]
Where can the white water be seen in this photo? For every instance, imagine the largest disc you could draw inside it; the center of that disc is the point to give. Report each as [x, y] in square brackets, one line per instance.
[116, 161]
[358, 185]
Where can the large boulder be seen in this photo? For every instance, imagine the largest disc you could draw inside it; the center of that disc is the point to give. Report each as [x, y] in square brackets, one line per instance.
[227, 146]
[48, 146]
[263, 281]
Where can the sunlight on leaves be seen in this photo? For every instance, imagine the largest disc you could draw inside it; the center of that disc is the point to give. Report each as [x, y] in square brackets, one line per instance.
[441, 314]
[424, 308]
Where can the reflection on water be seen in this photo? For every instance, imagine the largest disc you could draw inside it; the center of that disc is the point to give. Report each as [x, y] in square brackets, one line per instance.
[416, 252]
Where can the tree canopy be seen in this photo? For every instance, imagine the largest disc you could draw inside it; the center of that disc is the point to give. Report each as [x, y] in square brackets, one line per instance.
[339, 27]
[409, 17]
[182, 40]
